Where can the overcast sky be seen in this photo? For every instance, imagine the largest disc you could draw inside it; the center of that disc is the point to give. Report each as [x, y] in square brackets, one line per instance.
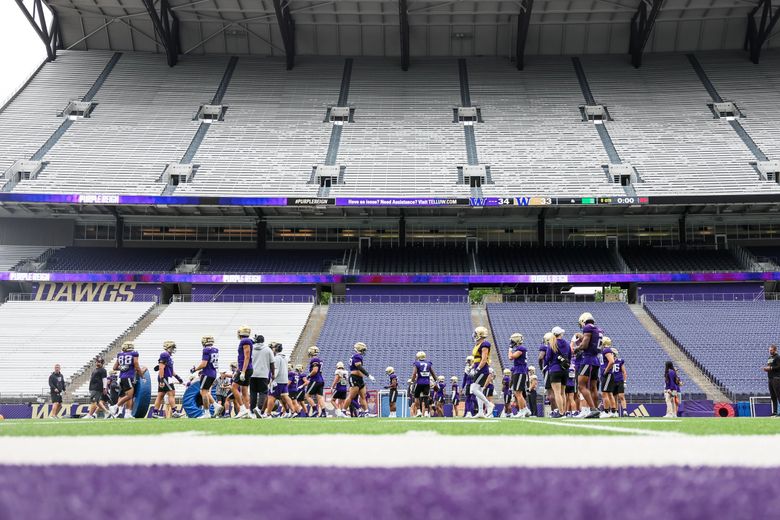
[21, 52]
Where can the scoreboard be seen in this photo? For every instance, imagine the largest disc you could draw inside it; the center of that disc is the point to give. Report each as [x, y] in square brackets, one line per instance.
[558, 201]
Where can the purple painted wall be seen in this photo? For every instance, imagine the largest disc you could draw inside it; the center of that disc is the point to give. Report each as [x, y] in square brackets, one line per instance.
[407, 293]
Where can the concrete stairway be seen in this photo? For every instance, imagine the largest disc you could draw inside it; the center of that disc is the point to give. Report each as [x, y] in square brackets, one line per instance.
[479, 318]
[677, 356]
[310, 334]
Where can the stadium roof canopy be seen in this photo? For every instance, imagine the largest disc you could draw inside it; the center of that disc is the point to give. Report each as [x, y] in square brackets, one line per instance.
[426, 28]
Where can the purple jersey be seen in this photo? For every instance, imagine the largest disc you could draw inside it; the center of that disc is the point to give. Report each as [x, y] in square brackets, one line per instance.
[506, 385]
[477, 355]
[604, 360]
[423, 372]
[520, 363]
[543, 349]
[241, 344]
[671, 381]
[126, 361]
[316, 362]
[393, 379]
[455, 392]
[292, 381]
[617, 370]
[211, 357]
[551, 358]
[356, 361]
[590, 354]
[439, 391]
[165, 357]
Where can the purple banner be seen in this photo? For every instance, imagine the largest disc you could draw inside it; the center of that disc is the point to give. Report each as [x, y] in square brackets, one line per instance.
[464, 279]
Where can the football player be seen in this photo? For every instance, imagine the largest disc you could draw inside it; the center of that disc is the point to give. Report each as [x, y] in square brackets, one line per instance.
[454, 395]
[410, 397]
[393, 387]
[339, 385]
[293, 381]
[506, 392]
[357, 385]
[241, 379]
[588, 376]
[209, 364]
[620, 383]
[468, 406]
[280, 392]
[438, 396]
[518, 354]
[480, 371]
[607, 379]
[129, 367]
[546, 378]
[300, 397]
[316, 384]
[558, 361]
[166, 392]
[422, 372]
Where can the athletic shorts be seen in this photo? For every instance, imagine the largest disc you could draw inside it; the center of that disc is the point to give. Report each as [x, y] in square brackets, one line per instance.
[608, 384]
[260, 384]
[126, 384]
[589, 371]
[519, 383]
[56, 398]
[393, 395]
[164, 386]
[559, 377]
[489, 392]
[547, 381]
[247, 377]
[279, 390]
[95, 396]
[340, 394]
[456, 400]
[356, 382]
[421, 391]
[507, 399]
[315, 388]
[301, 395]
[570, 389]
[619, 388]
[206, 382]
[481, 378]
[439, 398]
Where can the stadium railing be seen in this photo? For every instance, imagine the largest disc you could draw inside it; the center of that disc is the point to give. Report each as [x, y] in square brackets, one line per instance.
[400, 298]
[555, 298]
[242, 298]
[30, 297]
[707, 297]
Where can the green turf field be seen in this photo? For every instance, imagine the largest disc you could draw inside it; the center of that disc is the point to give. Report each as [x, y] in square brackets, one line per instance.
[628, 426]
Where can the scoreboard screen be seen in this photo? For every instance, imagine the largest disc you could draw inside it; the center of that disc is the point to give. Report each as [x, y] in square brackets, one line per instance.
[558, 201]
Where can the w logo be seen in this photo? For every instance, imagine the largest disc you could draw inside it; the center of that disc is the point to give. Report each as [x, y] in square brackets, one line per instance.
[477, 201]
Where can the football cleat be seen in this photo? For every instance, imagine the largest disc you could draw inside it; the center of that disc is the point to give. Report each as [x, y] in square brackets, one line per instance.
[205, 416]
[313, 351]
[218, 410]
[516, 338]
[420, 356]
[360, 347]
[490, 408]
[585, 317]
[244, 331]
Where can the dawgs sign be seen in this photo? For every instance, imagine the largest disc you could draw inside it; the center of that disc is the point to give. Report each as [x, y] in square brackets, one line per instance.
[95, 292]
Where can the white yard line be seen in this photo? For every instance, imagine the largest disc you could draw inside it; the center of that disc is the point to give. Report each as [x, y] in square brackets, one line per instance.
[584, 424]
[390, 451]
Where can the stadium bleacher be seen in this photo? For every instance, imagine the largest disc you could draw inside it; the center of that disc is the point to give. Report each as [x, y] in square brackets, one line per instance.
[10, 256]
[643, 355]
[648, 259]
[186, 323]
[394, 333]
[109, 259]
[37, 335]
[454, 260]
[269, 261]
[511, 259]
[727, 340]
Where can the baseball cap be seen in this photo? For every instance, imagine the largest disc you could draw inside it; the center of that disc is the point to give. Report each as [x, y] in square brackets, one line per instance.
[557, 331]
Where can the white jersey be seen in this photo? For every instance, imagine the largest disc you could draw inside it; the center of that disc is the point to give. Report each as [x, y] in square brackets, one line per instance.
[342, 375]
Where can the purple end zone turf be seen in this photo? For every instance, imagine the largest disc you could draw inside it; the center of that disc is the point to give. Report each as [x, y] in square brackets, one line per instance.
[202, 492]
